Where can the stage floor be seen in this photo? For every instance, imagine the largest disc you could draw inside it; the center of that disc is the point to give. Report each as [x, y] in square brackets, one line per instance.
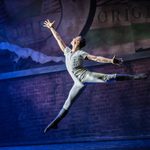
[106, 145]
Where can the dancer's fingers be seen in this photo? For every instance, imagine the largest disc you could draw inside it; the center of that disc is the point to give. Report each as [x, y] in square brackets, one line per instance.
[53, 22]
[45, 22]
[45, 26]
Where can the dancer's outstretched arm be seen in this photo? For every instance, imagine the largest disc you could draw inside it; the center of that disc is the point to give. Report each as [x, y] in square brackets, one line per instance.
[114, 60]
[56, 35]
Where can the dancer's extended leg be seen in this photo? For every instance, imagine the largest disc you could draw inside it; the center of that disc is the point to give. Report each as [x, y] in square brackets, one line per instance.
[75, 90]
[94, 77]
[122, 77]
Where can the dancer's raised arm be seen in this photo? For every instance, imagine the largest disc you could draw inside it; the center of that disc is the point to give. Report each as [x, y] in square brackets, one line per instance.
[56, 35]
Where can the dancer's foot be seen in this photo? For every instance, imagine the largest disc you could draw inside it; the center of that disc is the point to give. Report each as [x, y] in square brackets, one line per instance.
[52, 125]
[141, 76]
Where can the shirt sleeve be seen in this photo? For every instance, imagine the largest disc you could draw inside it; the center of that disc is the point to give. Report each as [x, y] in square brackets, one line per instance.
[84, 54]
[67, 50]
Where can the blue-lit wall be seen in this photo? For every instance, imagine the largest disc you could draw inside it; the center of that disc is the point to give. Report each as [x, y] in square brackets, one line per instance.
[103, 111]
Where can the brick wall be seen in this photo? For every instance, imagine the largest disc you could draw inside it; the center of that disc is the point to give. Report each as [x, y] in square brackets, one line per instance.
[103, 111]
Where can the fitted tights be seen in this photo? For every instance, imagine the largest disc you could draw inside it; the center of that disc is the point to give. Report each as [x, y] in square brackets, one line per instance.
[91, 77]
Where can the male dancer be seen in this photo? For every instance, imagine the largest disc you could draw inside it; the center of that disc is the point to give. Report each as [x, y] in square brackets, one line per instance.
[80, 75]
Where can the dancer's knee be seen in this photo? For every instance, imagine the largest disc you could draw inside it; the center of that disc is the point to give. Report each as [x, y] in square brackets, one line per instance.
[110, 77]
[79, 86]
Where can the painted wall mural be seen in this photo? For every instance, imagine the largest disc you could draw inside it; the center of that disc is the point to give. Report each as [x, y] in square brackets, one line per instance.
[120, 27]
[28, 52]
[22, 21]
[110, 27]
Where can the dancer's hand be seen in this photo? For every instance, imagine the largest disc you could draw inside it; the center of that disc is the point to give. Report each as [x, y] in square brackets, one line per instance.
[48, 24]
[117, 61]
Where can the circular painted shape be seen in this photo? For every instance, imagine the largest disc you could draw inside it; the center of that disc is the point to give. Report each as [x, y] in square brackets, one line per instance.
[27, 17]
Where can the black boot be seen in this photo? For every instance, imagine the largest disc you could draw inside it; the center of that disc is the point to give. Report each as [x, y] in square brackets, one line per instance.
[141, 76]
[53, 125]
[122, 77]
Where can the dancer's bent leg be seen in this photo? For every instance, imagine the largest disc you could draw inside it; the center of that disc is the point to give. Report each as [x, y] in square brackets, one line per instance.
[75, 90]
[72, 95]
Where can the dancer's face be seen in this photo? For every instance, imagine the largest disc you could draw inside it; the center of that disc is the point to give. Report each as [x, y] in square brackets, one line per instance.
[76, 41]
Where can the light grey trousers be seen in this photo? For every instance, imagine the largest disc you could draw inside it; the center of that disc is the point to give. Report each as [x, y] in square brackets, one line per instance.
[90, 77]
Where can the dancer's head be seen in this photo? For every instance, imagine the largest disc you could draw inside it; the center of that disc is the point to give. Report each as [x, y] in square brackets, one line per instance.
[78, 42]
